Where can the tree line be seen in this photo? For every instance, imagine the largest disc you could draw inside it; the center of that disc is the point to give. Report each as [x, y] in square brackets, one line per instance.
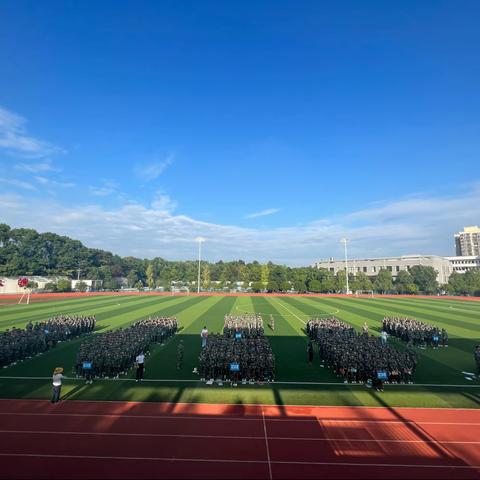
[26, 252]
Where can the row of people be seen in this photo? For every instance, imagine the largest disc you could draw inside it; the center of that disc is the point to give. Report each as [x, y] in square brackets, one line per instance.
[113, 353]
[249, 325]
[358, 358]
[19, 343]
[229, 359]
[325, 323]
[419, 333]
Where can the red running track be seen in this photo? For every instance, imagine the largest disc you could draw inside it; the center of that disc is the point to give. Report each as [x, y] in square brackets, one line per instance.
[77, 439]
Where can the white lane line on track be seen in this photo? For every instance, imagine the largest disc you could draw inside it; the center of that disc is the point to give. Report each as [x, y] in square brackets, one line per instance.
[224, 460]
[266, 445]
[316, 419]
[240, 437]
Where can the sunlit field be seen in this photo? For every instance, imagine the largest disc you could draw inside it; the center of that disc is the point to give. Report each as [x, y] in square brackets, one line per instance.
[438, 381]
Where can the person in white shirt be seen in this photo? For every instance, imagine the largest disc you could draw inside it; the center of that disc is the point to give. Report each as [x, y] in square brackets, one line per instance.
[384, 336]
[57, 384]
[140, 360]
[204, 335]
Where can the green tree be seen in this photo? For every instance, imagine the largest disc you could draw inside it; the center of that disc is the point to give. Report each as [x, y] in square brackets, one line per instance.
[132, 278]
[205, 281]
[425, 278]
[299, 286]
[50, 287]
[139, 284]
[272, 287]
[403, 281]
[64, 285]
[81, 287]
[383, 283]
[150, 272]
[264, 274]
[257, 287]
[314, 286]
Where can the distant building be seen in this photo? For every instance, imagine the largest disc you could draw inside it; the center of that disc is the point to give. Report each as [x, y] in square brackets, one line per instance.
[464, 263]
[10, 284]
[467, 243]
[92, 285]
[371, 266]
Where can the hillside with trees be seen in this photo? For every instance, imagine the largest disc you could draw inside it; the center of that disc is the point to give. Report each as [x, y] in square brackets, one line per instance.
[26, 252]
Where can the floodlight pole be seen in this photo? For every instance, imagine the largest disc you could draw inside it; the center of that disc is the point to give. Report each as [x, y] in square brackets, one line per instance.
[344, 240]
[199, 240]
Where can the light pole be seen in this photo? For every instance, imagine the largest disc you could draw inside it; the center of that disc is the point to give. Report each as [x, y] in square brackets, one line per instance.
[200, 240]
[344, 241]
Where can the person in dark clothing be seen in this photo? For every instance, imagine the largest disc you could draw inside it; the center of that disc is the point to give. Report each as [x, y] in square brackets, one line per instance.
[310, 352]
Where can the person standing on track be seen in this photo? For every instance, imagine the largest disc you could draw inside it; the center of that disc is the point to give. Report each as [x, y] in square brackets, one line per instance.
[204, 335]
[57, 384]
[140, 361]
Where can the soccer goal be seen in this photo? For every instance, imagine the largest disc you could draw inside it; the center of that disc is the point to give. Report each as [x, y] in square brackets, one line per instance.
[364, 293]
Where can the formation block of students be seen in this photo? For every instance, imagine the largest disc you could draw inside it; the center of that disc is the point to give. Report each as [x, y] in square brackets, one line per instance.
[113, 353]
[413, 331]
[360, 357]
[19, 343]
[241, 353]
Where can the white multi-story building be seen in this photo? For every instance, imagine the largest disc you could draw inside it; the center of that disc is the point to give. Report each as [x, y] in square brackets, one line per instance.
[464, 263]
[371, 266]
[467, 243]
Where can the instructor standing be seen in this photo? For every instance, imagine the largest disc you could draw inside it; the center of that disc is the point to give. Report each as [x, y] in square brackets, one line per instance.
[57, 384]
[140, 360]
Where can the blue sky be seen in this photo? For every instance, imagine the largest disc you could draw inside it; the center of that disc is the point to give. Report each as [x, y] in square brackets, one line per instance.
[273, 129]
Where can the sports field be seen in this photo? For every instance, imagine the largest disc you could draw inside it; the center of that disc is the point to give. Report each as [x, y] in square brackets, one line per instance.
[438, 382]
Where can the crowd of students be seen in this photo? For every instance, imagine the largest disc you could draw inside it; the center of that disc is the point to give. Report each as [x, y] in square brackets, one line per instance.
[413, 331]
[113, 353]
[250, 326]
[16, 344]
[360, 357]
[241, 354]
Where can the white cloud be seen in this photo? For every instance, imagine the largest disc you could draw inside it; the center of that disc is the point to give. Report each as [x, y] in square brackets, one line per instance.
[17, 183]
[52, 183]
[151, 171]
[104, 190]
[46, 166]
[423, 225]
[263, 213]
[14, 139]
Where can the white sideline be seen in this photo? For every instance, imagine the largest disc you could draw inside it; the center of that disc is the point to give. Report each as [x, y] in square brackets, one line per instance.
[290, 312]
[224, 460]
[179, 380]
[266, 445]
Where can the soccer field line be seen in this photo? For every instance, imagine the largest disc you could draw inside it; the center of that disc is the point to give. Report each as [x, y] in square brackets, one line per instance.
[179, 380]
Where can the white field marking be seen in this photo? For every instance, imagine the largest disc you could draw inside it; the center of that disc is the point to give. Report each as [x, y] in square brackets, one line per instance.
[242, 437]
[248, 419]
[180, 380]
[462, 309]
[253, 404]
[291, 313]
[225, 460]
[266, 444]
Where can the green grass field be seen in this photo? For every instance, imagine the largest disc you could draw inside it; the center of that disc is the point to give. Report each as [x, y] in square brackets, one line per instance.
[438, 380]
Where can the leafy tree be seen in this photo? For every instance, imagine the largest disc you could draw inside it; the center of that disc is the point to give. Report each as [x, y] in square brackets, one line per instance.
[139, 284]
[81, 287]
[383, 283]
[425, 278]
[64, 285]
[403, 281]
[50, 287]
[314, 286]
[264, 274]
[299, 286]
[112, 284]
[257, 287]
[272, 287]
[132, 278]
[150, 273]
[205, 281]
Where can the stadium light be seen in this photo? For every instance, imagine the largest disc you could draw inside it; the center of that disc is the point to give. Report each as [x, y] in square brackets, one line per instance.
[344, 241]
[200, 240]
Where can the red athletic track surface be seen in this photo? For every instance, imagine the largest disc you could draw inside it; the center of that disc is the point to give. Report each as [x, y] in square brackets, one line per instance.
[77, 439]
[37, 297]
